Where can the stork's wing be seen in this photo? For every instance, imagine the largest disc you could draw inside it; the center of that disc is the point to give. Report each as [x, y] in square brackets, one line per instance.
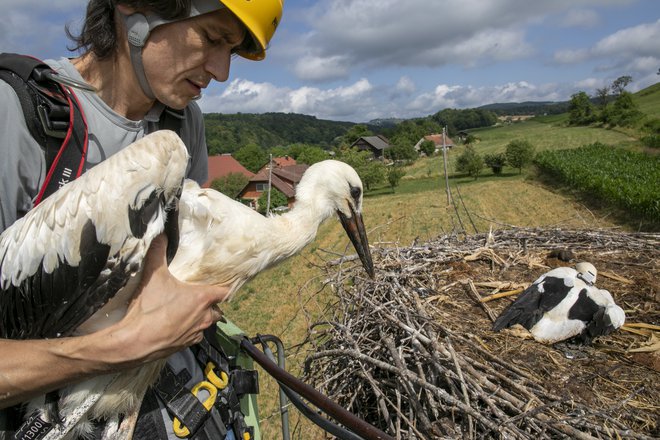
[536, 300]
[68, 256]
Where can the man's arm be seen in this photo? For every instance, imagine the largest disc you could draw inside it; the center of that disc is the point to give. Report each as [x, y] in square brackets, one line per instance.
[165, 316]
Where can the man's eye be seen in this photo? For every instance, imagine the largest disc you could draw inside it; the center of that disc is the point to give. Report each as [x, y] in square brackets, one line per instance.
[209, 39]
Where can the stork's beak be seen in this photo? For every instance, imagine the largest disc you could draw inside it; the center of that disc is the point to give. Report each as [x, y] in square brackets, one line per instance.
[354, 227]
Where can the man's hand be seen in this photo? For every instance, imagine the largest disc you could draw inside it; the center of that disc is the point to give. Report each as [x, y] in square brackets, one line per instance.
[166, 315]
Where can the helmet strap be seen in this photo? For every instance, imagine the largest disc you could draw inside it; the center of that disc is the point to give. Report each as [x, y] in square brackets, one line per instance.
[138, 29]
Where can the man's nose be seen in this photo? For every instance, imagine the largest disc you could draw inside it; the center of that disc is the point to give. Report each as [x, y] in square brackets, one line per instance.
[218, 62]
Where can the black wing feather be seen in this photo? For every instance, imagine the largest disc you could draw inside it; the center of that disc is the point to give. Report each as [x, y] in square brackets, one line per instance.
[48, 305]
[532, 304]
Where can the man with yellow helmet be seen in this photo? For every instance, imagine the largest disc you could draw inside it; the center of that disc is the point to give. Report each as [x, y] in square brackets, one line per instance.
[140, 61]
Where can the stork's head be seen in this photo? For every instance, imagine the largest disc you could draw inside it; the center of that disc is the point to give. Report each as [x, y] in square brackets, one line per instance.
[587, 272]
[331, 187]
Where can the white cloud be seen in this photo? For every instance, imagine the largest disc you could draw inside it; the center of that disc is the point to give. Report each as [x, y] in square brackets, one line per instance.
[312, 68]
[245, 96]
[405, 85]
[640, 40]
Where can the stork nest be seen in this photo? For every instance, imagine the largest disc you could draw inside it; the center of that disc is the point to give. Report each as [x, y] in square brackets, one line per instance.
[412, 352]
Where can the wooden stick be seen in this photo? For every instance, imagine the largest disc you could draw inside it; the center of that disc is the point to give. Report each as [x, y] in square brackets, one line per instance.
[642, 325]
[615, 277]
[501, 295]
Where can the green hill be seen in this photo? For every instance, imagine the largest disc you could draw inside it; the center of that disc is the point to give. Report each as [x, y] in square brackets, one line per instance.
[227, 133]
[648, 100]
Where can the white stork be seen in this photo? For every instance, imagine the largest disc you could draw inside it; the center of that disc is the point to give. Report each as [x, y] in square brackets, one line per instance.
[562, 304]
[72, 263]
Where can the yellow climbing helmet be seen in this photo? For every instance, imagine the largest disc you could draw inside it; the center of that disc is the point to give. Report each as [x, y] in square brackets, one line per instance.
[261, 18]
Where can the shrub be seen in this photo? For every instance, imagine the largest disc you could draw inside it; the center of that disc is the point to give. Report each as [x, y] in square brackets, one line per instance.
[394, 175]
[231, 184]
[519, 153]
[428, 148]
[277, 198]
[651, 141]
[495, 161]
[470, 162]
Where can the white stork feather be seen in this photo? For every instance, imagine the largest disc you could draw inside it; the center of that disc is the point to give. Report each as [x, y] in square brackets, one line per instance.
[220, 242]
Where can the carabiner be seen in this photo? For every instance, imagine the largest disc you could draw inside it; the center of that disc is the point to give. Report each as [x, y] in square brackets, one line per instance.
[220, 382]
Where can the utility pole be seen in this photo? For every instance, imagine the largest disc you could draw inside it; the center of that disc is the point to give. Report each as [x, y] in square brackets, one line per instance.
[270, 178]
[444, 158]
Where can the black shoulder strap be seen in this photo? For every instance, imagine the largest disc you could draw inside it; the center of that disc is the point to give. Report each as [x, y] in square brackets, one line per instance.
[172, 119]
[53, 116]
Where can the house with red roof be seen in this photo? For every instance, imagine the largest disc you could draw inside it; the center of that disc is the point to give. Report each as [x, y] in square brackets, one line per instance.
[284, 178]
[437, 140]
[223, 165]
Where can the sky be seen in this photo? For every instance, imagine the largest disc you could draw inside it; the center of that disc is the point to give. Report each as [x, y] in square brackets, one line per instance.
[359, 60]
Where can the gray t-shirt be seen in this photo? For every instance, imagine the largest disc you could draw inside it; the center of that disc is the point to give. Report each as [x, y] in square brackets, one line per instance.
[23, 165]
[23, 170]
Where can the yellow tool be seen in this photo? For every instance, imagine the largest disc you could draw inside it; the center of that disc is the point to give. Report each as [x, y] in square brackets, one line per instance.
[180, 429]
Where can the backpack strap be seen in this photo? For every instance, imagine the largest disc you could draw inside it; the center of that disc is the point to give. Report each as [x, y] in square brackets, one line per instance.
[172, 119]
[53, 116]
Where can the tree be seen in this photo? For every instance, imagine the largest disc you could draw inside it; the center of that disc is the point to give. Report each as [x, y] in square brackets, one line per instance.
[251, 157]
[519, 153]
[310, 155]
[470, 139]
[470, 162]
[277, 198]
[625, 112]
[371, 171]
[603, 97]
[580, 109]
[394, 175]
[427, 147]
[231, 184]
[620, 84]
[401, 151]
[495, 161]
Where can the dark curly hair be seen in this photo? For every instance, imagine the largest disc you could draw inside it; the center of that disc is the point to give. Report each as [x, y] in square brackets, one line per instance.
[99, 35]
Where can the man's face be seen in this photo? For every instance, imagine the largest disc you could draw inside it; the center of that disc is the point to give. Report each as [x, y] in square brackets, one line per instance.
[181, 58]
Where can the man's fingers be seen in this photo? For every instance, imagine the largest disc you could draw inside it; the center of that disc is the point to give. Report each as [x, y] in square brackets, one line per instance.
[217, 313]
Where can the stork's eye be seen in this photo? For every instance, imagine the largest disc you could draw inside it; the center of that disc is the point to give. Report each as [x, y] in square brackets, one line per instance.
[355, 193]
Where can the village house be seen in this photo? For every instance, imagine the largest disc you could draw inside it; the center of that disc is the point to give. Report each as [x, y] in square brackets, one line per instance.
[437, 140]
[376, 144]
[285, 176]
[222, 165]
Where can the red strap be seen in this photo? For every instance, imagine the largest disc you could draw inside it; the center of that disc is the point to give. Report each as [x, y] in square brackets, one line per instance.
[69, 158]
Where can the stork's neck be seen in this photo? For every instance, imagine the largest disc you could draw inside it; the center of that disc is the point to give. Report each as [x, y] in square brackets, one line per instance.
[298, 227]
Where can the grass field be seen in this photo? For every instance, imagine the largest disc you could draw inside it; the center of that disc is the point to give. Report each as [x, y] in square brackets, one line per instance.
[542, 135]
